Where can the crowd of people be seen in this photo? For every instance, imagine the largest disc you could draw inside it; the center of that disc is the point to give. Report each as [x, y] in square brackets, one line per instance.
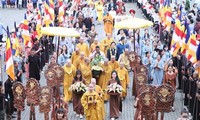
[99, 63]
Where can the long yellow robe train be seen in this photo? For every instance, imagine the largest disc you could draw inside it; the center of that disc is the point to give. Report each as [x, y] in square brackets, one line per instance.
[124, 78]
[91, 110]
[87, 73]
[69, 73]
[104, 78]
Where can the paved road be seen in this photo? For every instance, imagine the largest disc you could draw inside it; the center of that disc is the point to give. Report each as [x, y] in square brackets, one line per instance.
[8, 16]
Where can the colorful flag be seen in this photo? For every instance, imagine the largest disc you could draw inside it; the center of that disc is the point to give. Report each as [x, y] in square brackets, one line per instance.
[61, 11]
[177, 37]
[51, 9]
[47, 16]
[39, 24]
[9, 58]
[167, 16]
[25, 32]
[184, 45]
[192, 48]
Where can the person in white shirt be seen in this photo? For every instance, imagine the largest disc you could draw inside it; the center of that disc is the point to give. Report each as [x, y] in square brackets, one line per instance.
[113, 13]
[97, 50]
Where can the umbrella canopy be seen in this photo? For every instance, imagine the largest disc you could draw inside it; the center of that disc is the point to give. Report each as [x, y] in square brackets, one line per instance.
[59, 31]
[133, 23]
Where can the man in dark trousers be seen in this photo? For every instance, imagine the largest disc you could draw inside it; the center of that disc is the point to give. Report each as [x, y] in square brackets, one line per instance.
[34, 65]
[9, 98]
[1, 102]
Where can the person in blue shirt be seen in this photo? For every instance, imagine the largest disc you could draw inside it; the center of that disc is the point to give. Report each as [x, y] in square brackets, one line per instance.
[157, 71]
[120, 47]
[147, 61]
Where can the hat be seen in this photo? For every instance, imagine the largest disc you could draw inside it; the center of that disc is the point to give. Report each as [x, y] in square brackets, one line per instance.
[132, 11]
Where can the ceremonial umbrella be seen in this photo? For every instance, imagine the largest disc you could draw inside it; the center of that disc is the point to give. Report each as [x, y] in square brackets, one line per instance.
[133, 23]
[59, 31]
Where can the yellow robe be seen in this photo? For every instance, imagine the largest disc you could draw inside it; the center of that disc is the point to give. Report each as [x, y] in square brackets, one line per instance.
[87, 73]
[74, 57]
[99, 9]
[123, 58]
[93, 46]
[106, 44]
[124, 78]
[91, 110]
[108, 24]
[68, 79]
[83, 48]
[78, 63]
[101, 95]
[104, 78]
[113, 65]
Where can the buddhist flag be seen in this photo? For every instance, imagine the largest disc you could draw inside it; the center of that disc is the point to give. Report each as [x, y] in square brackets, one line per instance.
[25, 32]
[61, 11]
[9, 58]
[167, 16]
[192, 48]
[184, 45]
[39, 24]
[15, 43]
[47, 16]
[51, 9]
[176, 38]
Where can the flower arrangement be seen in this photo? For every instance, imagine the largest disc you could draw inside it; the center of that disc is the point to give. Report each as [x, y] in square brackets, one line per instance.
[97, 59]
[114, 88]
[78, 87]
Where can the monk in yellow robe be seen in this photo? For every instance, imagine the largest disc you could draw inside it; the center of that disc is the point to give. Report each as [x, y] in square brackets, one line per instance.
[105, 77]
[80, 61]
[113, 63]
[108, 23]
[91, 104]
[83, 47]
[86, 71]
[124, 78]
[106, 43]
[101, 95]
[75, 55]
[124, 59]
[99, 8]
[70, 72]
[94, 44]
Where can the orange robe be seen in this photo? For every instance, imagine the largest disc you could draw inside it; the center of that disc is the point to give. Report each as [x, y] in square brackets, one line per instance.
[83, 48]
[106, 45]
[124, 78]
[87, 73]
[170, 79]
[74, 57]
[108, 24]
[114, 65]
[78, 63]
[104, 78]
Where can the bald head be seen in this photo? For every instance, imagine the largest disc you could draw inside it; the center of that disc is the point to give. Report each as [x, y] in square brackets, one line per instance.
[91, 87]
[93, 81]
[106, 61]
[68, 62]
[121, 64]
[82, 55]
[126, 51]
[113, 58]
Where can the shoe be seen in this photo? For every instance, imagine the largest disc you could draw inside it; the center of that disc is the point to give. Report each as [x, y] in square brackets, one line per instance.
[112, 118]
[77, 115]
[81, 116]
[173, 109]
